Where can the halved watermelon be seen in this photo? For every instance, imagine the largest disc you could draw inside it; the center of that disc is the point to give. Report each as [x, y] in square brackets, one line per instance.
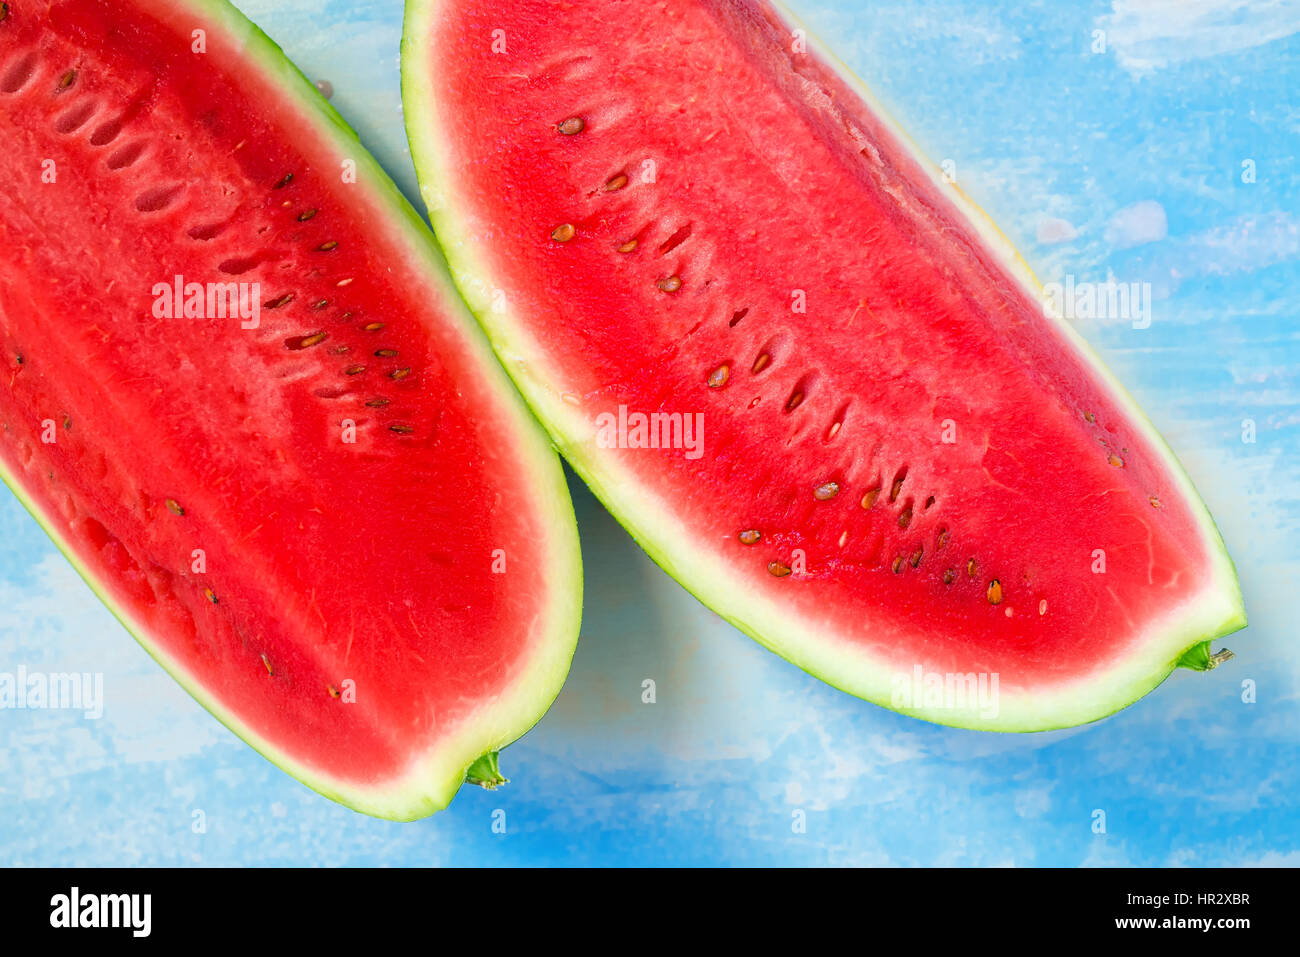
[327, 514]
[682, 218]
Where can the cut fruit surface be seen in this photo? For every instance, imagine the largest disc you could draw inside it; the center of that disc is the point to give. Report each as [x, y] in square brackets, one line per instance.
[809, 377]
[243, 397]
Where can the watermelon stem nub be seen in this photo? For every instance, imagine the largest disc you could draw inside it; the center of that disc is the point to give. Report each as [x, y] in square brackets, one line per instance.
[485, 773]
[1200, 658]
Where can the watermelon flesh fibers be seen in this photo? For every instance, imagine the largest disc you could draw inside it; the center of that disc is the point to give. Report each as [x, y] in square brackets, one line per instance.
[906, 467]
[323, 509]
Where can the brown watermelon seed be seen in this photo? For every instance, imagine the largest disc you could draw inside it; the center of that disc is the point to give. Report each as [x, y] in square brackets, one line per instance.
[4, 11]
[827, 491]
[971, 568]
[288, 178]
[777, 569]
[266, 662]
[306, 341]
[399, 373]
[948, 576]
[750, 536]
[211, 595]
[905, 517]
[354, 370]
[66, 81]
[628, 246]
[1115, 460]
[305, 215]
[279, 301]
[898, 485]
[718, 377]
[995, 592]
[572, 125]
[378, 403]
[760, 363]
[1090, 417]
[401, 429]
[373, 326]
[175, 507]
[869, 499]
[563, 233]
[615, 184]
[898, 564]
[334, 692]
[340, 350]
[321, 304]
[943, 537]
[916, 557]
[794, 402]
[1155, 502]
[385, 353]
[671, 284]
[327, 247]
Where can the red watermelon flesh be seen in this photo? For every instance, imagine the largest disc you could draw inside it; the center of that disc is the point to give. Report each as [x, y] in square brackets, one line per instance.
[333, 521]
[907, 468]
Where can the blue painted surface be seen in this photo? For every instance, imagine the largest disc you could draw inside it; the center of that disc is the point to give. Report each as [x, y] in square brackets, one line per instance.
[1039, 128]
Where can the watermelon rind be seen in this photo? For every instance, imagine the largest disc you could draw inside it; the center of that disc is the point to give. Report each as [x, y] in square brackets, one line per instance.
[1217, 610]
[435, 772]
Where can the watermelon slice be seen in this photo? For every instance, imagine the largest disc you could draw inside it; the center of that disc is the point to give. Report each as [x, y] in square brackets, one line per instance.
[244, 399]
[684, 222]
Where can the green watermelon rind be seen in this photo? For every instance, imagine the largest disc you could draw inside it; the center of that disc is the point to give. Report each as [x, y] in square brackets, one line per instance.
[434, 775]
[651, 521]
